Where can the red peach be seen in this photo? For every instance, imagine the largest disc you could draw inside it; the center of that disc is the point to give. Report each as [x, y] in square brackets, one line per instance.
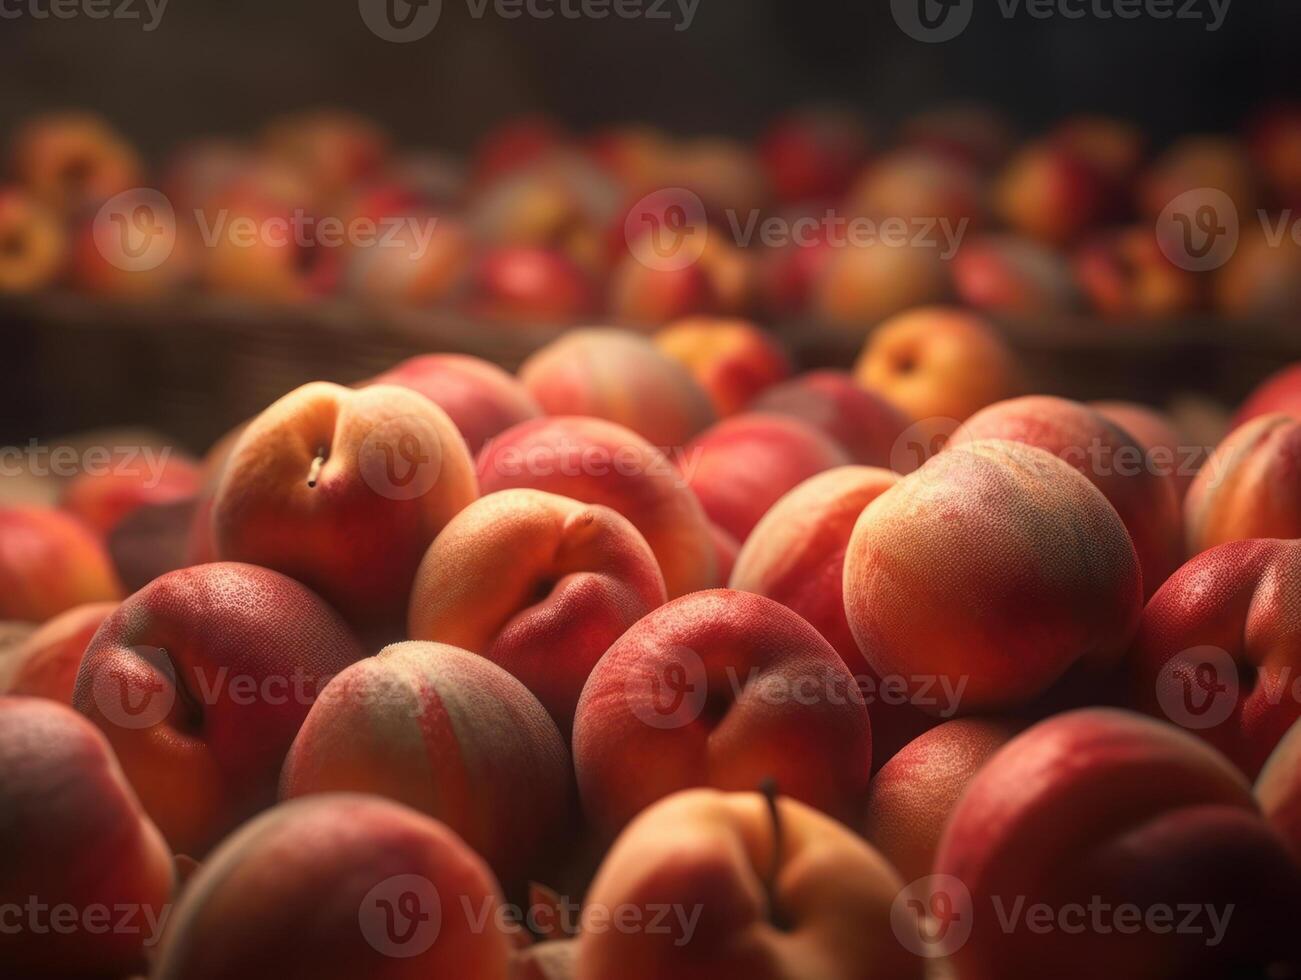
[45, 664]
[921, 185]
[1126, 274]
[644, 292]
[73, 160]
[1052, 194]
[531, 285]
[515, 144]
[1279, 789]
[996, 568]
[103, 498]
[1274, 140]
[1280, 392]
[1113, 146]
[599, 462]
[200, 682]
[334, 149]
[1014, 275]
[33, 244]
[50, 562]
[733, 360]
[541, 585]
[726, 550]
[812, 154]
[1157, 433]
[720, 689]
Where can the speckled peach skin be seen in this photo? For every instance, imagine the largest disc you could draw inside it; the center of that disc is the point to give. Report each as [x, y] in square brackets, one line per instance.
[1243, 598]
[395, 472]
[1106, 807]
[1157, 434]
[74, 836]
[864, 424]
[600, 462]
[733, 360]
[45, 665]
[539, 584]
[339, 887]
[621, 377]
[796, 555]
[1279, 789]
[1279, 392]
[102, 499]
[480, 398]
[721, 689]
[49, 563]
[995, 568]
[1109, 457]
[450, 734]
[745, 464]
[1250, 487]
[200, 681]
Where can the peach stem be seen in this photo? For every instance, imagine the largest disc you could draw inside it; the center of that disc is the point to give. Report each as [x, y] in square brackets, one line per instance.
[314, 474]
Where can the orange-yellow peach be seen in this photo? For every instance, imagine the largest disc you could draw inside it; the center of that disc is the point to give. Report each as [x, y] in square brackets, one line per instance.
[859, 286]
[73, 160]
[50, 562]
[33, 244]
[733, 360]
[1052, 194]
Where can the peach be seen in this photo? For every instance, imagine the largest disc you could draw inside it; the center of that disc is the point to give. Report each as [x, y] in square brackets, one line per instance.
[864, 424]
[1195, 163]
[86, 878]
[813, 154]
[519, 284]
[448, 733]
[938, 363]
[921, 185]
[913, 795]
[1111, 845]
[420, 261]
[1157, 434]
[49, 563]
[1249, 488]
[621, 377]
[733, 360]
[720, 689]
[742, 466]
[599, 462]
[334, 149]
[1014, 275]
[104, 260]
[1263, 276]
[724, 173]
[796, 555]
[1279, 789]
[1217, 651]
[726, 549]
[200, 681]
[482, 400]
[1115, 147]
[642, 291]
[33, 245]
[539, 584]
[1280, 392]
[73, 160]
[1143, 493]
[259, 249]
[761, 889]
[997, 569]
[101, 498]
[1126, 274]
[45, 664]
[633, 155]
[787, 272]
[344, 490]
[338, 887]
[1052, 194]
[862, 285]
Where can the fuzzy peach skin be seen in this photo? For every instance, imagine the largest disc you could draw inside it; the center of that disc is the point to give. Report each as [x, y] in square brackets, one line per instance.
[1279, 789]
[539, 584]
[339, 887]
[938, 362]
[481, 399]
[1280, 392]
[75, 838]
[721, 689]
[1109, 457]
[765, 890]
[33, 242]
[45, 664]
[599, 462]
[1244, 599]
[102, 498]
[914, 793]
[73, 160]
[796, 555]
[49, 563]
[1249, 488]
[1160, 438]
[355, 526]
[200, 681]
[743, 465]
[1101, 808]
[996, 567]
[864, 424]
[621, 377]
[448, 733]
[733, 360]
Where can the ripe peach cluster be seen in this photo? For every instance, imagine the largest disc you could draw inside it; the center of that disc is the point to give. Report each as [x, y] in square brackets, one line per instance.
[820, 218]
[658, 659]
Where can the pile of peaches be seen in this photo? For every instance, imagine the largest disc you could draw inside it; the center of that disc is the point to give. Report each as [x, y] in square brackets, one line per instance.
[819, 218]
[659, 659]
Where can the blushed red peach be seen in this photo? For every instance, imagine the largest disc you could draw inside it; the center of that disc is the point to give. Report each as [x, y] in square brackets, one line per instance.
[1280, 392]
[812, 154]
[924, 187]
[45, 664]
[1009, 274]
[50, 562]
[1052, 194]
[102, 498]
[539, 584]
[860, 286]
[1160, 438]
[733, 360]
[1126, 274]
[644, 293]
[531, 285]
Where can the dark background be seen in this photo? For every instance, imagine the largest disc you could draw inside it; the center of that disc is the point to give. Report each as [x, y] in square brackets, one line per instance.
[225, 66]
